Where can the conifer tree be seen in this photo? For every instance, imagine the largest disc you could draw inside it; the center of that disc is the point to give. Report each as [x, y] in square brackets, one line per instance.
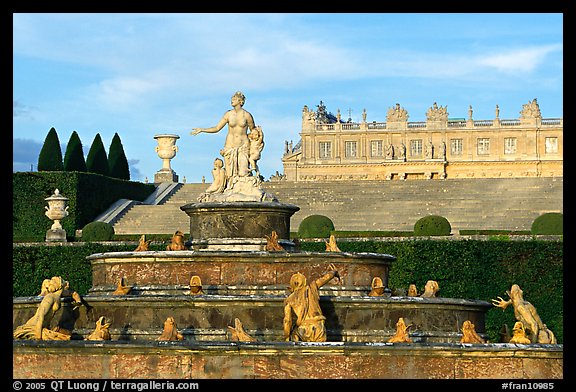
[96, 160]
[50, 158]
[74, 156]
[117, 162]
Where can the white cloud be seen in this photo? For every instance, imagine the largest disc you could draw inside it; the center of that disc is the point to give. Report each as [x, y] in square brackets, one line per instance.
[518, 60]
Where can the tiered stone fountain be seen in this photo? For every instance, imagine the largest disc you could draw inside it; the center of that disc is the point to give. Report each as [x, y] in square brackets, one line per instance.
[242, 280]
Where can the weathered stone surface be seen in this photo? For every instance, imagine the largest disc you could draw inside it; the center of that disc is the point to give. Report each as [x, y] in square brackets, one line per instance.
[284, 360]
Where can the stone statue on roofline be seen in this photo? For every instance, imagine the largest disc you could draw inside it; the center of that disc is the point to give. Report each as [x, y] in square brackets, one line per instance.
[241, 151]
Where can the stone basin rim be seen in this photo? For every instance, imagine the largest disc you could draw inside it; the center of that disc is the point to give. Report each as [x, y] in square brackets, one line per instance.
[256, 254]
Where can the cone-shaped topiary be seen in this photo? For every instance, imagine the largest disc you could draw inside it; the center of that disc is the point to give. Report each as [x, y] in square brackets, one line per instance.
[432, 225]
[97, 231]
[50, 158]
[74, 156]
[97, 161]
[550, 223]
[117, 162]
[315, 226]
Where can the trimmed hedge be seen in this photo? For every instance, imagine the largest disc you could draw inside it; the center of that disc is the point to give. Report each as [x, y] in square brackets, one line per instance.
[550, 223]
[97, 231]
[468, 269]
[432, 225]
[315, 226]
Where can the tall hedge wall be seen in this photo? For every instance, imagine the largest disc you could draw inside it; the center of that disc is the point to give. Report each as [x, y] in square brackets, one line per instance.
[88, 195]
[468, 269]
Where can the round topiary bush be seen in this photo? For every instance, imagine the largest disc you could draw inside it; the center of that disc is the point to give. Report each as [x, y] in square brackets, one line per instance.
[315, 226]
[97, 231]
[550, 223]
[432, 225]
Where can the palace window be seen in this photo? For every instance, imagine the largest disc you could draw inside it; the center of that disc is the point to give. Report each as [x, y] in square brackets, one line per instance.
[350, 149]
[483, 146]
[376, 148]
[416, 147]
[509, 145]
[456, 146]
[325, 150]
[551, 145]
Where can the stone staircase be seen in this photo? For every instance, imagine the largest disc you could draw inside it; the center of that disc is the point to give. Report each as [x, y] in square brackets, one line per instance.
[510, 204]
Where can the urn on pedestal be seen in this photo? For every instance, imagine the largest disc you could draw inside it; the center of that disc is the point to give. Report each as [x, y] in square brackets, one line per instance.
[166, 150]
[56, 211]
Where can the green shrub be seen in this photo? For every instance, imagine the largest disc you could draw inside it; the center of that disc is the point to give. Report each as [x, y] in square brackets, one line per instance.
[315, 226]
[550, 223]
[432, 225]
[97, 231]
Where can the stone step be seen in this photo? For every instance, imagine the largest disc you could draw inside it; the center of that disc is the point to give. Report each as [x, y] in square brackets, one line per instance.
[380, 205]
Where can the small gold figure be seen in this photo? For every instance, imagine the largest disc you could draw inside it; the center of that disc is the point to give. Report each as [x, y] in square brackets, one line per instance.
[177, 242]
[170, 331]
[237, 333]
[331, 245]
[469, 334]
[430, 289]
[525, 312]
[122, 288]
[401, 335]
[412, 290]
[101, 332]
[272, 244]
[519, 334]
[143, 244]
[377, 287]
[196, 285]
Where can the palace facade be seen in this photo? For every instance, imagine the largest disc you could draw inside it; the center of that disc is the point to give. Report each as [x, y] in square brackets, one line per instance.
[438, 148]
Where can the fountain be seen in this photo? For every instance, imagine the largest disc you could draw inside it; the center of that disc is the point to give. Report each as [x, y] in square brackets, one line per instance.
[175, 321]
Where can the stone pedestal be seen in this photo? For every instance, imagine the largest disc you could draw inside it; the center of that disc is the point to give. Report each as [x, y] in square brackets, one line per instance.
[238, 225]
[56, 235]
[165, 176]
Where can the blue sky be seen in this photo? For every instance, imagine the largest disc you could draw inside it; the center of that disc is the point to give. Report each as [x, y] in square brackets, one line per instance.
[144, 74]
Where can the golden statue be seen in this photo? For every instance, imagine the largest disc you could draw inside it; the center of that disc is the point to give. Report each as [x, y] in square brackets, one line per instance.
[331, 245]
[170, 331]
[122, 288]
[272, 244]
[38, 326]
[430, 289]
[377, 287]
[412, 290]
[101, 332]
[519, 334]
[401, 335]
[177, 242]
[143, 244]
[469, 334]
[196, 285]
[304, 301]
[526, 313]
[237, 333]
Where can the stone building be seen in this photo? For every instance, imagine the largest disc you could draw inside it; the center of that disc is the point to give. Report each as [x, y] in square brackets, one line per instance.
[438, 148]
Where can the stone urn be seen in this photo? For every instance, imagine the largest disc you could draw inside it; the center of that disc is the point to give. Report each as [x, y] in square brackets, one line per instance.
[56, 211]
[166, 150]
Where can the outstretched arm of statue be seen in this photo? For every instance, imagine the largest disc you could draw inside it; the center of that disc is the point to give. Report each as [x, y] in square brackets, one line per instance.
[214, 129]
[333, 273]
[501, 303]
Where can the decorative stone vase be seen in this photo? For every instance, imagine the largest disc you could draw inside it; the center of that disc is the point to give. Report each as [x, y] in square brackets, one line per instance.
[56, 211]
[166, 150]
